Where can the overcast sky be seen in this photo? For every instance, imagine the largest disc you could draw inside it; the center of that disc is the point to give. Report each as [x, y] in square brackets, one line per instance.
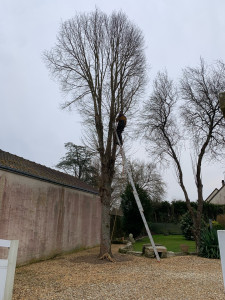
[177, 33]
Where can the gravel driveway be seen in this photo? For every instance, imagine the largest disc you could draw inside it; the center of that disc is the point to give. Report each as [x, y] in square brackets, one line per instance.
[83, 276]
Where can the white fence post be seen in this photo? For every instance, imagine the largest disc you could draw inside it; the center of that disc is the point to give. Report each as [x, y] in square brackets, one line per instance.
[7, 269]
[221, 239]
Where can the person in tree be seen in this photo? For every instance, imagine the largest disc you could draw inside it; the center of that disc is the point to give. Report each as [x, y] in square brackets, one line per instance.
[122, 121]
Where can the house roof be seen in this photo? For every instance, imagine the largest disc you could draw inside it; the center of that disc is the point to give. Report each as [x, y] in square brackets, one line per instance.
[214, 193]
[19, 165]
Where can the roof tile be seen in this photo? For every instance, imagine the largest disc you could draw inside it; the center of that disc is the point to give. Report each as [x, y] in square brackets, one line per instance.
[18, 164]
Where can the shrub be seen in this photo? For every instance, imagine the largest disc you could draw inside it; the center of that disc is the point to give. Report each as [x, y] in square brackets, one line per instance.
[165, 228]
[178, 209]
[211, 211]
[186, 225]
[221, 220]
[209, 246]
[217, 226]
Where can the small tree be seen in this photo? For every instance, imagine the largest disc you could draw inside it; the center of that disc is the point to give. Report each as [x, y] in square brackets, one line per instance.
[186, 225]
[145, 175]
[79, 163]
[148, 178]
[132, 221]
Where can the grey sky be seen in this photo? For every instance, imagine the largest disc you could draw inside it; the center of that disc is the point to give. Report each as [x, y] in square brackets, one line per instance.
[177, 33]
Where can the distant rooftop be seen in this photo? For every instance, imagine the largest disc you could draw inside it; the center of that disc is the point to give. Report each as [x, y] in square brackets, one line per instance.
[16, 164]
[215, 193]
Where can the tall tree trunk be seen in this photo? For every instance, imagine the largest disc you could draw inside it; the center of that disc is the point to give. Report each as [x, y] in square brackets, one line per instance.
[197, 233]
[105, 195]
[198, 218]
[105, 247]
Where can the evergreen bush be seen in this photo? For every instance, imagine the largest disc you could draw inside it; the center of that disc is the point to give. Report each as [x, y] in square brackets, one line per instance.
[165, 228]
[186, 225]
[132, 221]
[209, 246]
[217, 226]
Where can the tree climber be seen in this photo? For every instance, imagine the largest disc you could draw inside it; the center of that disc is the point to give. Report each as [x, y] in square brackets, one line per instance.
[122, 121]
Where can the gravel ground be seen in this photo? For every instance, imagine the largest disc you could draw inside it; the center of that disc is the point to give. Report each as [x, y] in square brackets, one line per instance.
[82, 275]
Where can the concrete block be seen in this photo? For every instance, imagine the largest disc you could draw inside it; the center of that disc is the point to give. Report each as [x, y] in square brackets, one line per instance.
[149, 251]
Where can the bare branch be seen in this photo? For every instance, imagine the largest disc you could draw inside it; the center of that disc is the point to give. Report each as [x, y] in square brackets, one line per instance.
[203, 123]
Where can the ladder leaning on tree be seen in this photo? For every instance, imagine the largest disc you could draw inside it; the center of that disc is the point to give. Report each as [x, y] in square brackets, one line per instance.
[127, 169]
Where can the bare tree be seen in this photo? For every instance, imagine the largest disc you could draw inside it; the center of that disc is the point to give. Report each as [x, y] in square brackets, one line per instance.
[99, 60]
[145, 175]
[203, 125]
[148, 178]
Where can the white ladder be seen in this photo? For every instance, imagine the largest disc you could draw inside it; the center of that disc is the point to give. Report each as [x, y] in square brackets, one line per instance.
[130, 179]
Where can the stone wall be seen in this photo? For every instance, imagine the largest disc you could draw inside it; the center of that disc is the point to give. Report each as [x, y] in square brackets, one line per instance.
[46, 218]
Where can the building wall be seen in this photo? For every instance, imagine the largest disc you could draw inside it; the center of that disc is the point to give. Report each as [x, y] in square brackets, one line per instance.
[47, 219]
[219, 198]
[208, 199]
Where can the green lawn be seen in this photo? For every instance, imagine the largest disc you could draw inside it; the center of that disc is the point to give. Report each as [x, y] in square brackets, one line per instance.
[171, 242]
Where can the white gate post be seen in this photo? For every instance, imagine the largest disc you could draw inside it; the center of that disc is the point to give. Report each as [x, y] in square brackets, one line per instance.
[221, 239]
[7, 269]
